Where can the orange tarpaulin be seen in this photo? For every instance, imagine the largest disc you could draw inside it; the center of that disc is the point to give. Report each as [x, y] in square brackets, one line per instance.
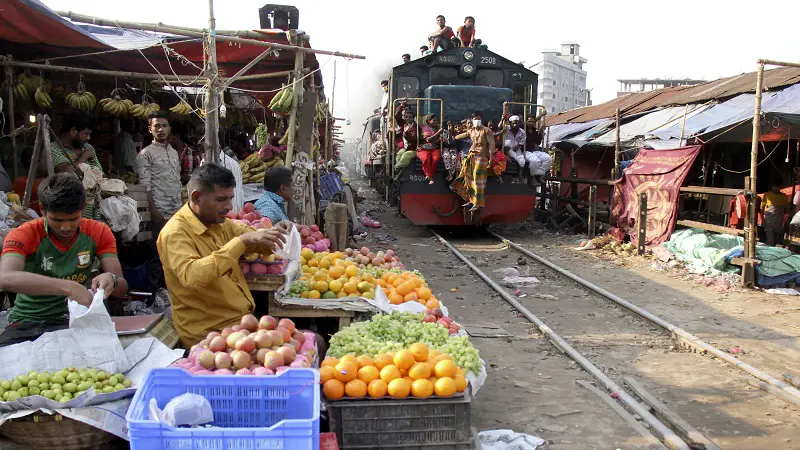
[31, 22]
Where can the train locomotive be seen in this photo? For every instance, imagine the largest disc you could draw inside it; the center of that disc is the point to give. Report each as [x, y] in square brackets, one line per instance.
[453, 84]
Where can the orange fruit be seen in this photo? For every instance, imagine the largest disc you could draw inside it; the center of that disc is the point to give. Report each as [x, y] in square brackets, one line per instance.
[314, 294]
[411, 297]
[368, 278]
[349, 357]
[382, 361]
[351, 271]
[330, 361]
[341, 294]
[419, 371]
[313, 263]
[439, 357]
[364, 361]
[390, 373]
[399, 388]
[432, 380]
[321, 286]
[432, 304]
[326, 373]
[432, 354]
[461, 383]
[421, 388]
[333, 389]
[346, 371]
[419, 350]
[445, 387]
[377, 388]
[304, 295]
[410, 381]
[405, 288]
[350, 288]
[355, 388]
[335, 286]
[403, 359]
[336, 271]
[386, 276]
[460, 371]
[368, 373]
[395, 298]
[445, 368]
[424, 293]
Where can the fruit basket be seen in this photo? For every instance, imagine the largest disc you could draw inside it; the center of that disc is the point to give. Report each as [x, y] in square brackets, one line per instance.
[395, 424]
[54, 432]
[249, 412]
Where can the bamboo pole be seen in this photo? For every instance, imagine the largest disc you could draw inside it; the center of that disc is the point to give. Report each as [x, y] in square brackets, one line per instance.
[181, 31]
[683, 125]
[247, 67]
[297, 88]
[42, 130]
[616, 146]
[10, 119]
[212, 94]
[751, 233]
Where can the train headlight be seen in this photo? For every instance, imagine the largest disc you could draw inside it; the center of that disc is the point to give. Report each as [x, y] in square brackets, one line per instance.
[468, 69]
[469, 55]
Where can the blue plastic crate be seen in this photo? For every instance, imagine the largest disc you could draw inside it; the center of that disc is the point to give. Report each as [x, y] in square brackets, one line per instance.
[330, 185]
[254, 412]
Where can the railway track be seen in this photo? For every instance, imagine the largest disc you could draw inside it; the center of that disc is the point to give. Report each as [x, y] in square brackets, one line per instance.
[618, 343]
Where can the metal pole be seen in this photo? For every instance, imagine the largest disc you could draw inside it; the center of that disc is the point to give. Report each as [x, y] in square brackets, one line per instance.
[11, 125]
[212, 92]
[592, 210]
[754, 155]
[642, 237]
[616, 147]
[42, 130]
[683, 125]
[298, 89]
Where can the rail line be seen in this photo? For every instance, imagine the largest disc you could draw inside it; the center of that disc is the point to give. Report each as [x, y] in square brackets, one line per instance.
[683, 436]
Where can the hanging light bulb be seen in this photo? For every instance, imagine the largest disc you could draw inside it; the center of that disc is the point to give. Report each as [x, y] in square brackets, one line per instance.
[32, 118]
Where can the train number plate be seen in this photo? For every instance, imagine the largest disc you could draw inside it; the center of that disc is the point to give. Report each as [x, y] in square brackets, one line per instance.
[488, 60]
[417, 178]
[447, 59]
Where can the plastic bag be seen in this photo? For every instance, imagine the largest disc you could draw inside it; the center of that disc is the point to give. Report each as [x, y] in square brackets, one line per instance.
[122, 215]
[291, 249]
[112, 187]
[190, 410]
[796, 219]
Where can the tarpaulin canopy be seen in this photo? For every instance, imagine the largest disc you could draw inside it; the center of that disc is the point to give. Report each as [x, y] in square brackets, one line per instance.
[31, 22]
[558, 132]
[645, 125]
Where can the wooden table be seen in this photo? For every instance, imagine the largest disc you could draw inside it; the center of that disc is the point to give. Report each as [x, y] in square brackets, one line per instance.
[131, 328]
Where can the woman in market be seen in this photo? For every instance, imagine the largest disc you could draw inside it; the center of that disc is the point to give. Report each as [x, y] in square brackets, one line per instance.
[430, 153]
[471, 181]
[48, 260]
[200, 250]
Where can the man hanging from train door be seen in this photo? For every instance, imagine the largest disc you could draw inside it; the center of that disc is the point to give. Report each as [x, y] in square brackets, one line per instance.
[515, 143]
[471, 182]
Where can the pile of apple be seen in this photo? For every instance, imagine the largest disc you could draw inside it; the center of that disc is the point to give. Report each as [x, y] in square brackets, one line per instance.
[255, 347]
[249, 216]
[436, 315]
[380, 260]
[257, 264]
[314, 239]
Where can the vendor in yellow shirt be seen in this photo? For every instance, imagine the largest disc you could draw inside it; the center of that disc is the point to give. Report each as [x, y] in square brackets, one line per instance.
[200, 250]
[773, 205]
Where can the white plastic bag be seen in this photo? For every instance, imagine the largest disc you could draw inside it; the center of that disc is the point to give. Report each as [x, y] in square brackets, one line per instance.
[109, 187]
[190, 410]
[291, 249]
[796, 219]
[121, 214]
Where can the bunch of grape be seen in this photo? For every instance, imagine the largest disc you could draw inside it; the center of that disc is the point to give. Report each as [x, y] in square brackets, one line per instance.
[393, 332]
[297, 288]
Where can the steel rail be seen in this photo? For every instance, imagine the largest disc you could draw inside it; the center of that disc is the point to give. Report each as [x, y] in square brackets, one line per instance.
[671, 439]
[792, 394]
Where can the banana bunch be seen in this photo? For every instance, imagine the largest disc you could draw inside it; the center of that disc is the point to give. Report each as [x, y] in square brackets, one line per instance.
[21, 93]
[282, 101]
[253, 169]
[262, 135]
[82, 100]
[275, 161]
[321, 113]
[182, 108]
[117, 106]
[32, 82]
[144, 109]
[284, 139]
[43, 98]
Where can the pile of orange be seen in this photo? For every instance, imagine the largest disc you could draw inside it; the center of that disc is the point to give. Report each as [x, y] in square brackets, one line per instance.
[329, 275]
[417, 372]
[407, 287]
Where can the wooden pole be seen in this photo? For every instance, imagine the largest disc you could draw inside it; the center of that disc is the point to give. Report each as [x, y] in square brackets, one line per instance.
[683, 125]
[134, 75]
[748, 270]
[754, 156]
[614, 171]
[10, 119]
[212, 92]
[592, 210]
[180, 31]
[642, 237]
[42, 130]
[244, 69]
[298, 89]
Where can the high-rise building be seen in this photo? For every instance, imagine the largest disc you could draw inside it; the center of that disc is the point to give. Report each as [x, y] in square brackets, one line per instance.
[631, 85]
[562, 80]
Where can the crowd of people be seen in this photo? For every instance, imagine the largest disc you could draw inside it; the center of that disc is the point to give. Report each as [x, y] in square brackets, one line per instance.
[67, 253]
[444, 38]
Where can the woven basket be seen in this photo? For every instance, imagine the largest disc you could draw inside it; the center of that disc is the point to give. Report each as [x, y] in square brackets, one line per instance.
[40, 431]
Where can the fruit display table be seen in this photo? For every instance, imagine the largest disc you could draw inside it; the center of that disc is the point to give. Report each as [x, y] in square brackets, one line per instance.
[304, 308]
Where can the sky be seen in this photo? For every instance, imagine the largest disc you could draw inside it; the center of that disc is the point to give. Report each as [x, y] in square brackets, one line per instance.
[700, 39]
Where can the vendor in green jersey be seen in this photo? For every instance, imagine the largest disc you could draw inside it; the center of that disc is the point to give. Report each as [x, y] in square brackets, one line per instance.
[47, 260]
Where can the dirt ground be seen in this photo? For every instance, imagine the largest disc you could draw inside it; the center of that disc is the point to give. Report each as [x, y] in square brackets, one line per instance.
[531, 386]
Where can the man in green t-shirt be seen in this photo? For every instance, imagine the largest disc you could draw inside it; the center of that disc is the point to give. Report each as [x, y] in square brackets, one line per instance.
[48, 260]
[73, 148]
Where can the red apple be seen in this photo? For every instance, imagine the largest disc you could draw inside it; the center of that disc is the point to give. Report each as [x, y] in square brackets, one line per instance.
[304, 233]
[233, 337]
[288, 353]
[218, 344]
[289, 325]
[299, 337]
[240, 359]
[223, 360]
[443, 323]
[314, 228]
[226, 332]
[285, 334]
[248, 208]
[249, 322]
[267, 323]
[261, 355]
[206, 359]
[263, 341]
[429, 318]
[273, 360]
[246, 344]
[276, 338]
[438, 313]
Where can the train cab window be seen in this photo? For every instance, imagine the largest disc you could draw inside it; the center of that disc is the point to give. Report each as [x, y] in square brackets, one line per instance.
[489, 78]
[442, 76]
[407, 87]
[522, 91]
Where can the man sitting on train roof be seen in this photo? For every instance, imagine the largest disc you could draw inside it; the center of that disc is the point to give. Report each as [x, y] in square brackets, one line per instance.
[425, 51]
[443, 37]
[466, 33]
[406, 58]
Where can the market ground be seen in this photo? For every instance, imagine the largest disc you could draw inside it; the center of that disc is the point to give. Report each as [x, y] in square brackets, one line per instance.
[531, 386]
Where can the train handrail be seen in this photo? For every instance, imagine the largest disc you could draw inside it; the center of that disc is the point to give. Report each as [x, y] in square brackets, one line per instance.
[418, 99]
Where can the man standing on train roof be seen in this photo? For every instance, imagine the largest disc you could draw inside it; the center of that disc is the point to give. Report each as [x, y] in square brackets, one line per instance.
[406, 58]
[471, 181]
[200, 250]
[48, 260]
[443, 37]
